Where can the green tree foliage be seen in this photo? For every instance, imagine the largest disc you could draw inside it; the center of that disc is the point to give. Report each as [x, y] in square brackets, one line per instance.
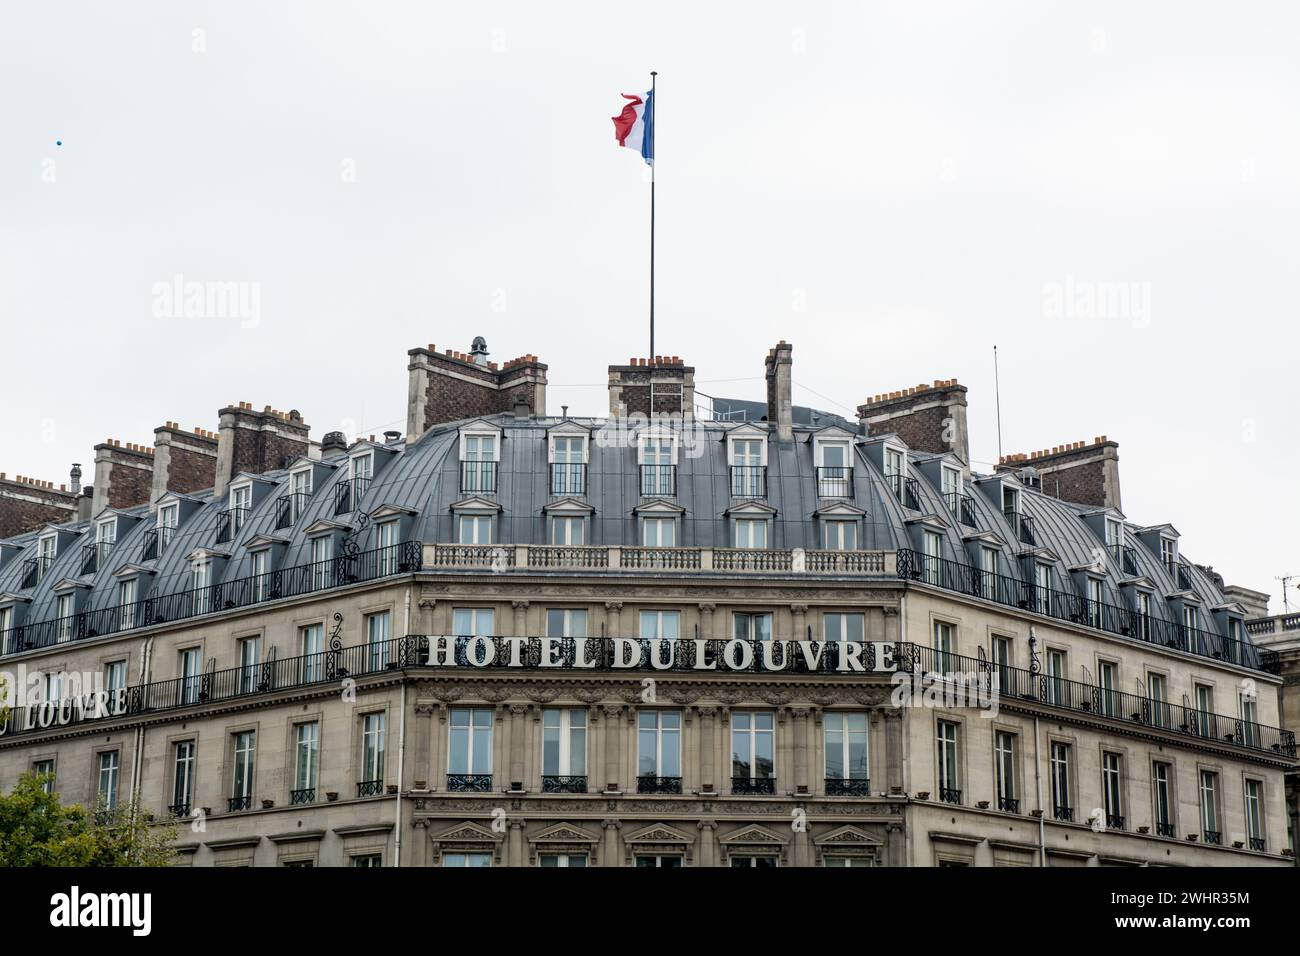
[37, 830]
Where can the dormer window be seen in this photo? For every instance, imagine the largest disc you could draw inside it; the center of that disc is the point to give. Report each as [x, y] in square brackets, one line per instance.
[105, 537]
[749, 533]
[747, 461]
[569, 530]
[1169, 555]
[1010, 499]
[362, 466]
[659, 532]
[1094, 601]
[169, 516]
[241, 499]
[834, 471]
[658, 454]
[201, 585]
[1144, 615]
[1042, 588]
[839, 535]
[478, 462]
[322, 561]
[474, 529]
[294, 502]
[568, 455]
[47, 549]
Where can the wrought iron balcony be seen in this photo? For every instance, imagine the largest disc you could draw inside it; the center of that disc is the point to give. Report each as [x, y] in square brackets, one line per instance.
[834, 481]
[1164, 829]
[1184, 578]
[1009, 804]
[370, 788]
[1125, 558]
[961, 507]
[749, 481]
[848, 787]
[557, 783]
[235, 804]
[34, 569]
[94, 555]
[229, 522]
[568, 478]
[1213, 837]
[348, 494]
[905, 489]
[469, 782]
[289, 506]
[478, 477]
[305, 795]
[1115, 821]
[1023, 525]
[950, 794]
[1257, 844]
[156, 541]
[179, 810]
[753, 785]
[658, 481]
[658, 784]
[1064, 814]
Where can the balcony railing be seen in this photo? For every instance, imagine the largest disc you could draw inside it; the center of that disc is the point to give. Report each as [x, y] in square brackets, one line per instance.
[905, 489]
[370, 788]
[1164, 829]
[1257, 844]
[348, 494]
[1023, 526]
[834, 481]
[848, 787]
[303, 796]
[34, 570]
[469, 782]
[179, 810]
[478, 477]
[289, 506]
[1017, 684]
[658, 481]
[568, 478]
[961, 507]
[950, 794]
[156, 541]
[559, 783]
[1184, 579]
[753, 785]
[94, 555]
[1213, 837]
[1065, 606]
[1115, 821]
[749, 481]
[1064, 814]
[340, 571]
[228, 524]
[235, 804]
[1125, 558]
[1009, 804]
[658, 784]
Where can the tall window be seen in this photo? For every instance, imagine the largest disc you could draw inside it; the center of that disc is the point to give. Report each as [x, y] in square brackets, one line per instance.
[372, 747]
[838, 626]
[846, 747]
[300, 491]
[191, 664]
[1158, 700]
[1204, 709]
[1043, 588]
[377, 635]
[749, 533]
[126, 604]
[105, 537]
[944, 647]
[1255, 813]
[1144, 615]
[840, 535]
[470, 753]
[949, 780]
[168, 519]
[988, 576]
[183, 778]
[257, 572]
[306, 764]
[660, 625]
[241, 498]
[1002, 660]
[753, 747]
[1169, 555]
[1111, 777]
[747, 468]
[322, 562]
[569, 530]
[568, 456]
[475, 529]
[363, 467]
[114, 678]
[747, 626]
[47, 549]
[659, 532]
[63, 608]
[834, 470]
[933, 545]
[1162, 799]
[473, 622]
[1004, 754]
[1249, 710]
[1094, 602]
[1107, 679]
[250, 650]
[1210, 806]
[386, 542]
[45, 768]
[657, 459]
[1191, 634]
[478, 468]
[108, 774]
[312, 638]
[245, 753]
[1056, 677]
[1060, 772]
[659, 736]
[564, 744]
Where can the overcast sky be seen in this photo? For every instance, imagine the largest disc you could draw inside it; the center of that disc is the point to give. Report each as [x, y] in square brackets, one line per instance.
[893, 187]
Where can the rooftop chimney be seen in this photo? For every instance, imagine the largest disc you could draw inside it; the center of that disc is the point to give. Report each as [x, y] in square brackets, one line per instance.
[927, 417]
[780, 410]
[662, 385]
[184, 460]
[449, 386]
[333, 442]
[123, 475]
[257, 442]
[1081, 472]
[26, 504]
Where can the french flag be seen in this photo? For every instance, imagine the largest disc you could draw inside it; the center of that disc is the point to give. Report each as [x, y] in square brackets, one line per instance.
[635, 126]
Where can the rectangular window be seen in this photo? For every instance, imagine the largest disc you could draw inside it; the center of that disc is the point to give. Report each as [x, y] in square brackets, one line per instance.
[386, 543]
[363, 467]
[659, 734]
[753, 747]
[1255, 813]
[838, 626]
[372, 747]
[944, 647]
[1004, 753]
[63, 609]
[749, 533]
[377, 636]
[840, 535]
[571, 531]
[1249, 710]
[564, 744]
[747, 626]
[833, 469]
[1111, 778]
[190, 667]
[1056, 676]
[1002, 660]
[659, 532]
[1210, 807]
[183, 778]
[1060, 773]
[475, 529]
[322, 562]
[1107, 687]
[467, 859]
[108, 773]
[470, 753]
[1162, 798]
[988, 576]
[114, 678]
[846, 746]
[478, 463]
[257, 573]
[306, 765]
[1094, 602]
[312, 640]
[1204, 695]
[45, 768]
[168, 519]
[1169, 555]
[126, 604]
[933, 552]
[566, 622]
[245, 754]
[367, 860]
[660, 625]
[1144, 615]
[250, 651]
[949, 779]
[1158, 700]
[473, 622]
[562, 859]
[1043, 588]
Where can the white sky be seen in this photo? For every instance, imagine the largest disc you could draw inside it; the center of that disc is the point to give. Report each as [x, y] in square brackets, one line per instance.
[893, 187]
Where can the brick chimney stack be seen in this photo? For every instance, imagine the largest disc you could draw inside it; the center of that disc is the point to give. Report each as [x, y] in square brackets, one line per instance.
[256, 442]
[780, 407]
[662, 385]
[1082, 473]
[449, 386]
[26, 504]
[928, 417]
[184, 461]
[123, 475]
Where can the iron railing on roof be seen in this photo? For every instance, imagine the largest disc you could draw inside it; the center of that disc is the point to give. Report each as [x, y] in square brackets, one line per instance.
[1125, 558]
[35, 569]
[348, 494]
[905, 489]
[156, 541]
[658, 481]
[834, 481]
[1065, 606]
[229, 522]
[961, 507]
[94, 555]
[340, 571]
[568, 478]
[749, 481]
[289, 506]
[1184, 577]
[1023, 526]
[478, 477]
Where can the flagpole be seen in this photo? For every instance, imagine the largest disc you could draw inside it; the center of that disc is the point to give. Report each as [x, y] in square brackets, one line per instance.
[651, 129]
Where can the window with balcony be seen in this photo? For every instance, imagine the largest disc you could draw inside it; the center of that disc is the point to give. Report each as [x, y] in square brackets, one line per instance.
[250, 652]
[895, 471]
[949, 777]
[568, 465]
[1042, 588]
[1248, 707]
[126, 596]
[566, 622]
[293, 502]
[105, 538]
[944, 647]
[241, 783]
[659, 751]
[931, 555]
[842, 626]
[988, 572]
[1210, 808]
[1108, 688]
[322, 562]
[564, 750]
[47, 549]
[568, 530]
[834, 469]
[660, 625]
[658, 454]
[1004, 765]
[753, 750]
[1093, 613]
[1002, 659]
[474, 529]
[109, 769]
[659, 532]
[259, 584]
[469, 756]
[478, 464]
[839, 535]
[378, 632]
[1062, 806]
[1255, 814]
[241, 500]
[1203, 694]
[1144, 615]
[1162, 798]
[373, 732]
[387, 543]
[306, 762]
[64, 607]
[749, 533]
[751, 626]
[1158, 700]
[182, 778]
[114, 678]
[311, 640]
[1056, 677]
[848, 769]
[748, 463]
[191, 665]
[1169, 556]
[1112, 776]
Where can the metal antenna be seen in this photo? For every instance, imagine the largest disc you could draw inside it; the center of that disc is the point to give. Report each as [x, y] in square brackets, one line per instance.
[997, 398]
[1286, 579]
